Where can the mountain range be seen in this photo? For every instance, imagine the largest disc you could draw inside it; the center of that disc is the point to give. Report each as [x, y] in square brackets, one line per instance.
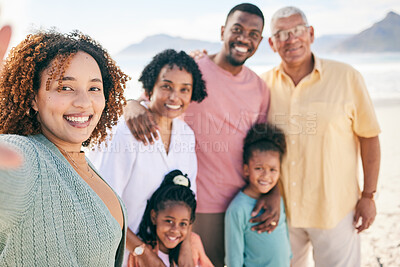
[383, 36]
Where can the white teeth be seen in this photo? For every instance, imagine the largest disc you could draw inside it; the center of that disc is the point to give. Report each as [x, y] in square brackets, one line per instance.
[173, 106]
[293, 49]
[241, 49]
[77, 119]
[172, 238]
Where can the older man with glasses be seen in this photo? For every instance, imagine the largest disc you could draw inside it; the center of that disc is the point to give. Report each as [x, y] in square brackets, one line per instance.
[328, 118]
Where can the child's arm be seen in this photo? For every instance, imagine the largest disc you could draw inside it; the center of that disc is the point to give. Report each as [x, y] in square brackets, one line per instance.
[234, 238]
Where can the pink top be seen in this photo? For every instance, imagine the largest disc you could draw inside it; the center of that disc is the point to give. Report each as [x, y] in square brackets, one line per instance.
[220, 123]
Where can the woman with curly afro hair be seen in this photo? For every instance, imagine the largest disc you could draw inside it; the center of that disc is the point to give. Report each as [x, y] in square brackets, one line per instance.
[57, 93]
[172, 80]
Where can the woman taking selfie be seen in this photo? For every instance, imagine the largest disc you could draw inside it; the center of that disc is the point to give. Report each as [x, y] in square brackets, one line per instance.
[57, 93]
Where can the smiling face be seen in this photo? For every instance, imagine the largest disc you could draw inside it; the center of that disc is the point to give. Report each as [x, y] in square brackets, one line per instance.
[295, 50]
[68, 115]
[262, 172]
[241, 36]
[172, 92]
[172, 225]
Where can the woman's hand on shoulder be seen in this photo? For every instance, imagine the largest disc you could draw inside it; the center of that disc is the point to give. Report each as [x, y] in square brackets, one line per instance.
[199, 255]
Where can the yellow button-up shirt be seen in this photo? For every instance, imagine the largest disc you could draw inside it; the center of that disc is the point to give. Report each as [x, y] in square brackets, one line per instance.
[322, 118]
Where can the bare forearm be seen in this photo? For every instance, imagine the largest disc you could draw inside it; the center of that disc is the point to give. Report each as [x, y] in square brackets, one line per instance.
[132, 240]
[371, 158]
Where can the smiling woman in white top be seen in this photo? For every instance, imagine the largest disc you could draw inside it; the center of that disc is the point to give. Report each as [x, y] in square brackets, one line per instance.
[135, 170]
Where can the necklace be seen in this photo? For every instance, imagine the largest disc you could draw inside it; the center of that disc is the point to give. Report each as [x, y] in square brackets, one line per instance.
[74, 163]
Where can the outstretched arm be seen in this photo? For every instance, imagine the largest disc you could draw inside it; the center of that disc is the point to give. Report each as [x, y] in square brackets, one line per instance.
[9, 159]
[371, 158]
[141, 122]
[270, 202]
[5, 36]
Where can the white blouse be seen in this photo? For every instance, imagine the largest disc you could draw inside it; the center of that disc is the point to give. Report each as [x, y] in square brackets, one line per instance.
[135, 171]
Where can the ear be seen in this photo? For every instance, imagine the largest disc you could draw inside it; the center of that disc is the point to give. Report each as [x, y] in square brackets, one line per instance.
[311, 34]
[34, 103]
[246, 171]
[271, 44]
[148, 95]
[222, 32]
[153, 216]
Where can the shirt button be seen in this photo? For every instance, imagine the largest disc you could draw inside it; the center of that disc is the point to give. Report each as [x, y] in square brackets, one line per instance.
[294, 203]
[293, 162]
[294, 183]
[293, 142]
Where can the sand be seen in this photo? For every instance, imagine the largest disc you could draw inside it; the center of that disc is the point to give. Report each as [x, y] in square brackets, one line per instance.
[380, 245]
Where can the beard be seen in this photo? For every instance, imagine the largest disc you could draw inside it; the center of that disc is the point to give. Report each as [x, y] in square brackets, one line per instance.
[234, 62]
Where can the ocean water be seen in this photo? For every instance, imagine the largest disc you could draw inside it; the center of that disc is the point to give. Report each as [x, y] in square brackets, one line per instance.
[380, 71]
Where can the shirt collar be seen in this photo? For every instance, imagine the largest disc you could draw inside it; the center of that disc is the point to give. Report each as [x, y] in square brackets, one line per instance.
[317, 67]
[317, 64]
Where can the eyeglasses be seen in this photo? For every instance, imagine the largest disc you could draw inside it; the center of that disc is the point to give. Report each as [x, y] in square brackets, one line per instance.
[297, 31]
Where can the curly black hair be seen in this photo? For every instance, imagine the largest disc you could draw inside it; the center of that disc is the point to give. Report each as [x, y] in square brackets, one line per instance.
[173, 58]
[166, 195]
[263, 137]
[22, 73]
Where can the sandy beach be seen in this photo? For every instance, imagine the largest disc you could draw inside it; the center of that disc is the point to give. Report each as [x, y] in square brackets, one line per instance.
[381, 242]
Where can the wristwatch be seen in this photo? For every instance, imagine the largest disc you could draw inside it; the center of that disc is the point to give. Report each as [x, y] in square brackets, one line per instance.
[368, 195]
[139, 250]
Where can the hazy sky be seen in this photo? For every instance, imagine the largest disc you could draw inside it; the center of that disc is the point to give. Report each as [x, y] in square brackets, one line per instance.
[119, 23]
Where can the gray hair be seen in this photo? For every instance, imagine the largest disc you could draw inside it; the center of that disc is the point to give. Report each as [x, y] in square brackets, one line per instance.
[287, 12]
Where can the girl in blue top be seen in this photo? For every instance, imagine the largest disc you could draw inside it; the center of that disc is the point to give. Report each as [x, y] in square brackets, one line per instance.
[263, 149]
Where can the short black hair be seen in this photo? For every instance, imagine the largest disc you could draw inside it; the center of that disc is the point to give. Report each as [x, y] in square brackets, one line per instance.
[168, 192]
[263, 137]
[246, 7]
[170, 57]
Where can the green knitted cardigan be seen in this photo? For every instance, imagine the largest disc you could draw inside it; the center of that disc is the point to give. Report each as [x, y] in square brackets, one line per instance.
[49, 216]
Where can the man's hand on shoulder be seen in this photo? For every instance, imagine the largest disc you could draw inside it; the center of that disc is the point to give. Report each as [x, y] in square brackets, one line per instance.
[267, 221]
[197, 54]
[140, 122]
